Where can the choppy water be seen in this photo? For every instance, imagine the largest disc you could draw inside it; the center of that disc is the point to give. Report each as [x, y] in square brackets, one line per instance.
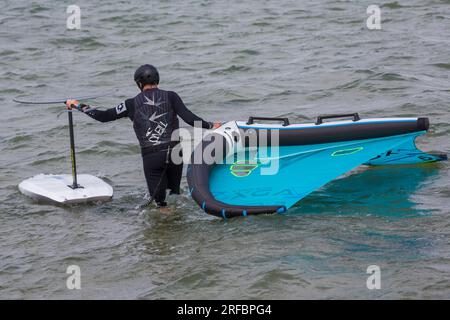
[228, 60]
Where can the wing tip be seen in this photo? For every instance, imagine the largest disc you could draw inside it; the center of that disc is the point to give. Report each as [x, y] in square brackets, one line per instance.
[423, 124]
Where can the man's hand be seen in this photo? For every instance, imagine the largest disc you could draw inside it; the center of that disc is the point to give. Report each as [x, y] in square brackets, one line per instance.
[216, 125]
[70, 104]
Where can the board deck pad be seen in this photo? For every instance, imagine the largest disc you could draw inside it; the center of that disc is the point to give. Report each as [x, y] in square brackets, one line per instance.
[55, 188]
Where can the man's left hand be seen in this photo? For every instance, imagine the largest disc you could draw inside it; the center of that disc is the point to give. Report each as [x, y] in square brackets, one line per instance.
[216, 125]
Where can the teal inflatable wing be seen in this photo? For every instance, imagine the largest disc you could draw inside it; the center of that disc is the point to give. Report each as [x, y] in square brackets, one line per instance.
[258, 177]
[265, 178]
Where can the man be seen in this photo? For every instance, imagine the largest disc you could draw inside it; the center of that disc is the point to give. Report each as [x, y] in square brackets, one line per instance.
[154, 114]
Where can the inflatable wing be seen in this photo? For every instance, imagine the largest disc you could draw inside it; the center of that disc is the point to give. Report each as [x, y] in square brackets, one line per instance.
[261, 175]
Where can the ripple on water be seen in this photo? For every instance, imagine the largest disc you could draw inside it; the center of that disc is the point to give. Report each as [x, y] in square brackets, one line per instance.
[442, 65]
[250, 52]
[80, 43]
[230, 70]
[392, 5]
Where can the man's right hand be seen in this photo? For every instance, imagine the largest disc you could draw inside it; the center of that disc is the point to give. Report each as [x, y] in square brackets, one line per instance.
[70, 104]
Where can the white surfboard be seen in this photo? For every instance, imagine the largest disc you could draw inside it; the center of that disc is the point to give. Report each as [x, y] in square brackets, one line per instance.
[55, 188]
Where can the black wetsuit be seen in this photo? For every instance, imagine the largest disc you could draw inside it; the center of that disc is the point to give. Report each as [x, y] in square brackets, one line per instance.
[154, 114]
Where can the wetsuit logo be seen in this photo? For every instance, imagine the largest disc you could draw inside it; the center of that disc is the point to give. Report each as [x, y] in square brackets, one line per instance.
[121, 108]
[153, 118]
[154, 133]
[150, 102]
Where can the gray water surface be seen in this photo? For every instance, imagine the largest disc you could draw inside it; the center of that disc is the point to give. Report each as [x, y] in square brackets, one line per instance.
[227, 60]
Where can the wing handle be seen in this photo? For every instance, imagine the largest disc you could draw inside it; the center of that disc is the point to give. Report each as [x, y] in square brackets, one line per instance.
[285, 120]
[331, 116]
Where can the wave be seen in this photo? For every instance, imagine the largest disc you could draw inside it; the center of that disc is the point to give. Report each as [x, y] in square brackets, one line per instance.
[442, 65]
[84, 43]
[392, 5]
[230, 70]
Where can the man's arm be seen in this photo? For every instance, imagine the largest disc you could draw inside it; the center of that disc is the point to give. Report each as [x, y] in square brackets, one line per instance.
[107, 115]
[187, 114]
[121, 111]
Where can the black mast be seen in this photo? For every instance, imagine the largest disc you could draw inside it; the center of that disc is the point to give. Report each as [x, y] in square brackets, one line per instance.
[75, 184]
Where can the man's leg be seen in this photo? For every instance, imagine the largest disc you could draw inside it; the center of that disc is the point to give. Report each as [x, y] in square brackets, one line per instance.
[174, 177]
[154, 165]
[174, 172]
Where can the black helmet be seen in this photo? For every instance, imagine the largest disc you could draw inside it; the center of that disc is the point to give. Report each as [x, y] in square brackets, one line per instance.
[146, 74]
